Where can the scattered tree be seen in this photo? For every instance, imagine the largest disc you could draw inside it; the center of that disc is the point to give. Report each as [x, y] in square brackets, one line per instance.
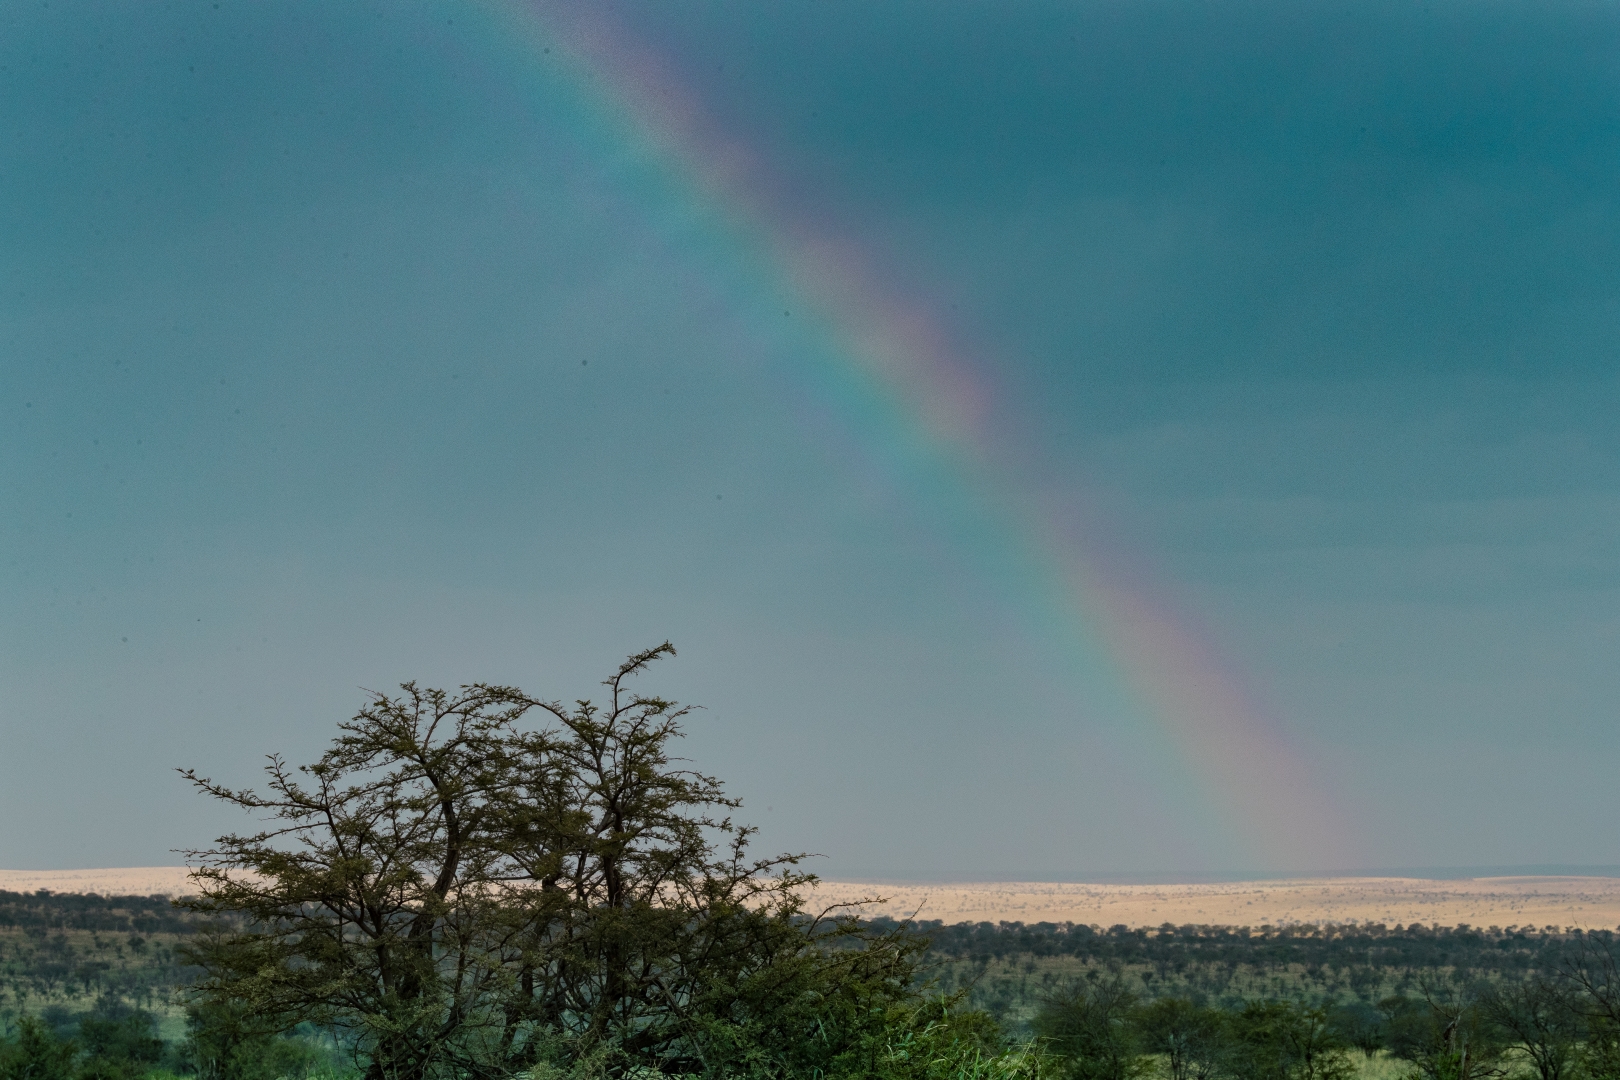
[1190, 1037]
[1539, 1018]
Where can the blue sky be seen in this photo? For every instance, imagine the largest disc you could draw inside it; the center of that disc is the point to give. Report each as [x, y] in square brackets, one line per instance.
[336, 349]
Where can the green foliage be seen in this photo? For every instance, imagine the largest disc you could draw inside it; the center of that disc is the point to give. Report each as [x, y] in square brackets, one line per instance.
[113, 1043]
[1275, 1040]
[35, 1053]
[1099, 1031]
[133, 915]
[842, 1004]
[1359, 1025]
[1599, 1049]
[1408, 1026]
[225, 1040]
[1091, 1029]
[1448, 1035]
[120, 1043]
[1190, 1038]
[1592, 974]
[1539, 1019]
[43, 966]
[931, 1042]
[1009, 966]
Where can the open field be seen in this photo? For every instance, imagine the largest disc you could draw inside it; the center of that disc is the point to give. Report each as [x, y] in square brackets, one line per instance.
[120, 881]
[1585, 902]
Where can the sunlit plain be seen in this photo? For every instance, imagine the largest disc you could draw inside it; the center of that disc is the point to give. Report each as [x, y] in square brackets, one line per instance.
[1585, 902]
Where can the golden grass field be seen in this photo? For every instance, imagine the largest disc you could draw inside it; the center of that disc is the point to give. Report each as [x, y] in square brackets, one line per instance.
[1504, 901]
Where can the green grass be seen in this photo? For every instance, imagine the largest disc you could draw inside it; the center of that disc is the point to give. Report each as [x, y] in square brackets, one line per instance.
[1381, 1066]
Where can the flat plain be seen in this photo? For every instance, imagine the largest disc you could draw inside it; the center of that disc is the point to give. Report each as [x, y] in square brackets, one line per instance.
[1586, 902]
[1563, 902]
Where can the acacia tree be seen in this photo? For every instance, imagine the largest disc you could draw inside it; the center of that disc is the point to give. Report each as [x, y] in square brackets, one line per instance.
[1188, 1035]
[465, 890]
[635, 900]
[1458, 1042]
[364, 903]
[1540, 1018]
[1593, 975]
[1090, 1029]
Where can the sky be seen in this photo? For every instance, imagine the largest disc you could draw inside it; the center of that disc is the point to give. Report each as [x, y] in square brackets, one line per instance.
[1062, 440]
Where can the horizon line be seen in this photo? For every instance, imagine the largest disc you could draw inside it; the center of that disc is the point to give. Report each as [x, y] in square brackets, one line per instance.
[1146, 877]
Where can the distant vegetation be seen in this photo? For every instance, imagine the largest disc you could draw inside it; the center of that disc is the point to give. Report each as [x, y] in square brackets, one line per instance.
[448, 893]
[96, 988]
[1009, 967]
[105, 915]
[82, 983]
[67, 950]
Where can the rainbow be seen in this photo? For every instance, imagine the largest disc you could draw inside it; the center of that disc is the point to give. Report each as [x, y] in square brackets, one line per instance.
[892, 368]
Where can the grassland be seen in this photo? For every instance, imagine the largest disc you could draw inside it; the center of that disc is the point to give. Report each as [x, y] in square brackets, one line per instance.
[1539, 902]
[63, 953]
[1586, 902]
[42, 971]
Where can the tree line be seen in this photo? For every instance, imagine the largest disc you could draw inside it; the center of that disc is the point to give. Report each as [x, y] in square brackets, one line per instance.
[1562, 1023]
[45, 910]
[116, 1041]
[1492, 950]
[1008, 967]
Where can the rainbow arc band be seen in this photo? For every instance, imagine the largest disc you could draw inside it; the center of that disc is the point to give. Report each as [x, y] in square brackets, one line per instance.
[893, 371]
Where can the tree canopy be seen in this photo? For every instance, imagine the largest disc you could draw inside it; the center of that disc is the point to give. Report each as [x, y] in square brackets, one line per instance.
[477, 882]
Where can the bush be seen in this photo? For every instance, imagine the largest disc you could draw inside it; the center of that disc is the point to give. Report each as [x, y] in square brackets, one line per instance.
[35, 1053]
[1092, 1031]
[226, 1041]
[1275, 1040]
[122, 1044]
